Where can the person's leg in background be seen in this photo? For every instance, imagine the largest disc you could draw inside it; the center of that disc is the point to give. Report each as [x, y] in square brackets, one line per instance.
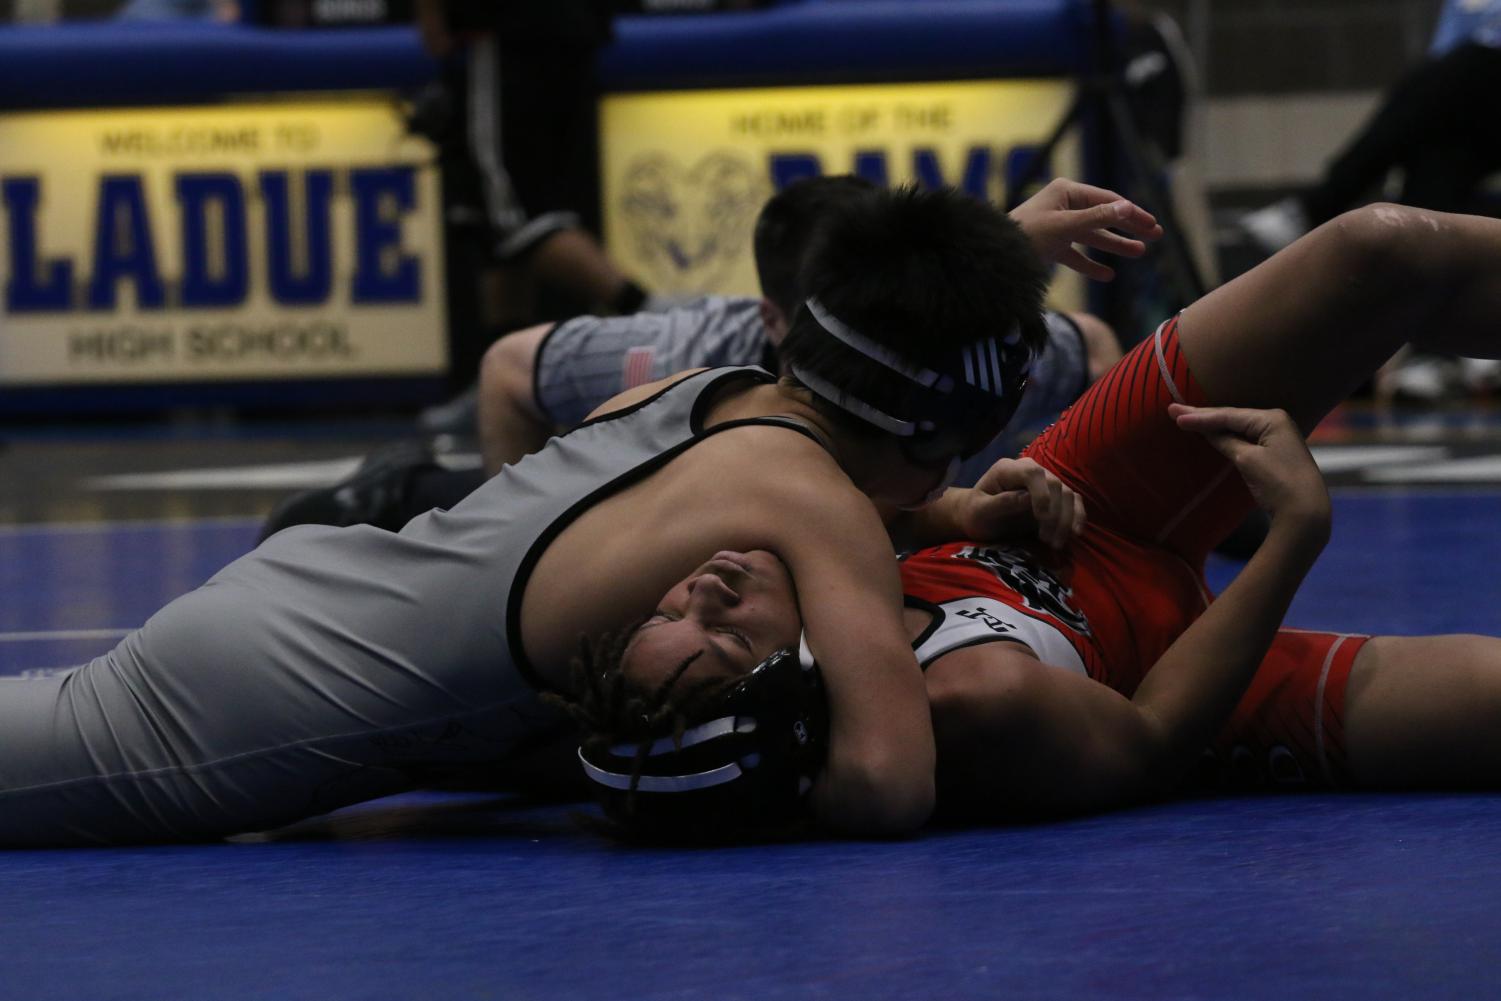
[545, 146]
[1447, 177]
[1441, 103]
[511, 423]
[530, 124]
[1444, 103]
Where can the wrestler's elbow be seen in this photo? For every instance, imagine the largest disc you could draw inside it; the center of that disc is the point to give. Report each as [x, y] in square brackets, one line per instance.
[875, 796]
[1150, 757]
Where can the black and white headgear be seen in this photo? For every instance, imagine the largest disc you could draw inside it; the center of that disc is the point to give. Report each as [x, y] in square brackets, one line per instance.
[748, 765]
[951, 410]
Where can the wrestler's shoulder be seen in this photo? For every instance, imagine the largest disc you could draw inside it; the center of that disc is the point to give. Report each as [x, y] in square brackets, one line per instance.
[777, 468]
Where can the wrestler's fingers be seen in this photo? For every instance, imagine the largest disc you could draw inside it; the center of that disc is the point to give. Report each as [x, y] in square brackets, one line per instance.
[1052, 489]
[1080, 194]
[1052, 506]
[1138, 222]
[1013, 503]
[1040, 487]
[997, 515]
[1232, 435]
[1110, 208]
[1113, 243]
[1055, 532]
[999, 506]
[1120, 214]
[1231, 446]
[1252, 425]
[1087, 266]
[1069, 521]
[1003, 475]
[1251, 439]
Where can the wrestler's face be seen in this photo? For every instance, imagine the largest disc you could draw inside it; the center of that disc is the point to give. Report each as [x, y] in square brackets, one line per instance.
[895, 480]
[735, 611]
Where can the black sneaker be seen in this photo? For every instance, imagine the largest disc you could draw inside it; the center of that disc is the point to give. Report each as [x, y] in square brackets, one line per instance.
[374, 494]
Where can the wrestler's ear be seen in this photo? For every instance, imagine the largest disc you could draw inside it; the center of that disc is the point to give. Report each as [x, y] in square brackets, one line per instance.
[775, 322]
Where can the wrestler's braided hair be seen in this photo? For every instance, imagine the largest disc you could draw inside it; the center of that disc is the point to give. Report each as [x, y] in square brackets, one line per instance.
[611, 709]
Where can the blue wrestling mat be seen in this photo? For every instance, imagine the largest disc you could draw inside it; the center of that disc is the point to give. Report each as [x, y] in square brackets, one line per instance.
[467, 896]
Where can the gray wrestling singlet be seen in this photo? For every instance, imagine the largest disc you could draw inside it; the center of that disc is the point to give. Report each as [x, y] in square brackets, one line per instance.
[328, 666]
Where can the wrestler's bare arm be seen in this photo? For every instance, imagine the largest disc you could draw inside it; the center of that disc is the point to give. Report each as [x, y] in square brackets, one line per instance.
[1020, 738]
[878, 779]
[510, 421]
[1017, 735]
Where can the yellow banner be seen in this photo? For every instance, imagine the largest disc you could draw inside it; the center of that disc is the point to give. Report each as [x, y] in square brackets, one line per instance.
[239, 241]
[686, 173]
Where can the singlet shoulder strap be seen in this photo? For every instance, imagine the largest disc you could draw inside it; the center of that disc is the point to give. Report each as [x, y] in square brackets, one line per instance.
[795, 423]
[703, 384]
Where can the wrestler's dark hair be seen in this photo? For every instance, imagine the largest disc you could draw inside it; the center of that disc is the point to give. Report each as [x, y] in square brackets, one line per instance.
[785, 228]
[923, 272]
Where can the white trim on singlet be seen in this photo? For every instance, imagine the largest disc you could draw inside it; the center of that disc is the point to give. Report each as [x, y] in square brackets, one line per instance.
[1318, 709]
[969, 621]
[1167, 377]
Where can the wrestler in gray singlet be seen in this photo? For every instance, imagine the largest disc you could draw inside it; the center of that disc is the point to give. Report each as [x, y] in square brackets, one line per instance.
[328, 666]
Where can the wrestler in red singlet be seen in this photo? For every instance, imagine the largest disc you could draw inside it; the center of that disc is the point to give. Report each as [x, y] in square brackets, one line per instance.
[1158, 498]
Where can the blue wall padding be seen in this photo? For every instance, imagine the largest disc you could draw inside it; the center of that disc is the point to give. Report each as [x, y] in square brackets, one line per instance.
[865, 40]
[118, 63]
[121, 63]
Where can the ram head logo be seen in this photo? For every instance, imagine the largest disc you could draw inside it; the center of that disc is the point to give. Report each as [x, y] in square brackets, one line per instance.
[689, 226]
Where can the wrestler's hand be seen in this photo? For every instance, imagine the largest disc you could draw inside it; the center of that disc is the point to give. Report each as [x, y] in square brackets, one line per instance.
[1271, 456]
[1067, 212]
[1018, 499]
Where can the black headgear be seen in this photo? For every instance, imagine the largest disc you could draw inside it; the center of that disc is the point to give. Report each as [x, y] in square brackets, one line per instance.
[954, 409]
[749, 765]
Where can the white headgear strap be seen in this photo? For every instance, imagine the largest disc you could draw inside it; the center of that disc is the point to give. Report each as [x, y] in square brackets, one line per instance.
[853, 404]
[851, 337]
[982, 361]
